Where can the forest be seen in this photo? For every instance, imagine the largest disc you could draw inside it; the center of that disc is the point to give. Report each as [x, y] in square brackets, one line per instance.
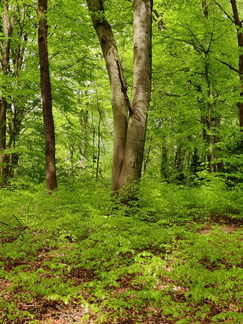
[121, 161]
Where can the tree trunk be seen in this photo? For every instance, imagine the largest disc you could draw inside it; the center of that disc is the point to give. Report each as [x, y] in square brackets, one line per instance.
[3, 104]
[97, 171]
[239, 26]
[119, 99]
[133, 156]
[220, 165]
[147, 156]
[51, 182]
[83, 120]
[208, 105]
[164, 160]
[129, 119]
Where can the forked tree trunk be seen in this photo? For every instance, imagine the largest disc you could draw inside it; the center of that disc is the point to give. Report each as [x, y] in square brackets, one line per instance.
[129, 119]
[51, 181]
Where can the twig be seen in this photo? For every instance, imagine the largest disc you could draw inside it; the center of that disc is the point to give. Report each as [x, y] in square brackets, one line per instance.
[21, 225]
[4, 224]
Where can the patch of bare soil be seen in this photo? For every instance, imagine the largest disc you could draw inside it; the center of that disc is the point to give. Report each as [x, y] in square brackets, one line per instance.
[226, 225]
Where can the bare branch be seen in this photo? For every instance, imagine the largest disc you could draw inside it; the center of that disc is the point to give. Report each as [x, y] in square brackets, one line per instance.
[197, 48]
[159, 20]
[225, 12]
[200, 45]
[229, 66]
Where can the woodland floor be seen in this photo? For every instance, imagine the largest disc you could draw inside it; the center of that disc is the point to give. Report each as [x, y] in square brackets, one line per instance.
[76, 259]
[19, 304]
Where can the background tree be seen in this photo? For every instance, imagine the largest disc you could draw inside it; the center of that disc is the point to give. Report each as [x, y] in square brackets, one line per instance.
[5, 56]
[192, 81]
[51, 181]
[239, 25]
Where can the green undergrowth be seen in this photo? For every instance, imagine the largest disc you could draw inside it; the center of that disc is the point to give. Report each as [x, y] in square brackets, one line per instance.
[177, 258]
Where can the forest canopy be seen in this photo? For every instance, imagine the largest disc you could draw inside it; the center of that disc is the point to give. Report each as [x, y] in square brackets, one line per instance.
[195, 114]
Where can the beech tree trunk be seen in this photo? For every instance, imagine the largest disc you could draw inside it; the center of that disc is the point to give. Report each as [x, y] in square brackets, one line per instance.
[3, 103]
[129, 118]
[51, 181]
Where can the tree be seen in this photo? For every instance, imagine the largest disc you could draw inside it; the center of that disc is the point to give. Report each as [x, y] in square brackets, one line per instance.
[51, 181]
[129, 118]
[7, 31]
[237, 22]
[239, 25]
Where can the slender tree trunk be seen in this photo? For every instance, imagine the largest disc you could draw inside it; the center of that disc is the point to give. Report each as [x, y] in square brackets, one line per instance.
[16, 112]
[83, 120]
[4, 158]
[210, 136]
[178, 160]
[208, 105]
[195, 164]
[97, 171]
[147, 155]
[51, 181]
[220, 165]
[164, 160]
[239, 26]
[93, 148]
[208, 121]
[129, 119]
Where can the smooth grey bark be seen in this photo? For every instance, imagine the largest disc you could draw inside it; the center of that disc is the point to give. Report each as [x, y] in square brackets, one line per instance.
[51, 181]
[119, 100]
[129, 118]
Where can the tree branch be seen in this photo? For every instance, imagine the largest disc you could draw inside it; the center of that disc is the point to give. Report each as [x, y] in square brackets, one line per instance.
[200, 45]
[197, 48]
[123, 86]
[229, 66]
[237, 21]
[159, 20]
[225, 12]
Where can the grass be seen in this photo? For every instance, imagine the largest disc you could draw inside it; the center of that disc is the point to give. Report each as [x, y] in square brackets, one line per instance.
[73, 258]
